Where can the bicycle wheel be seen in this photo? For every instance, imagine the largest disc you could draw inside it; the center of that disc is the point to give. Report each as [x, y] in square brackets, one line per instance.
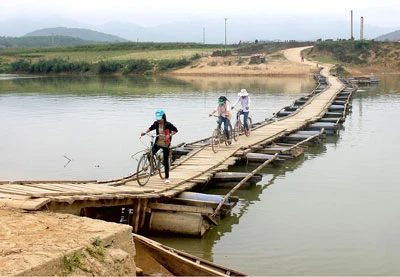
[158, 164]
[237, 128]
[250, 124]
[215, 140]
[144, 169]
[232, 132]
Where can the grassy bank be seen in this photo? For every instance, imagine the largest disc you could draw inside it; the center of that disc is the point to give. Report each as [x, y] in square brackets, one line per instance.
[123, 58]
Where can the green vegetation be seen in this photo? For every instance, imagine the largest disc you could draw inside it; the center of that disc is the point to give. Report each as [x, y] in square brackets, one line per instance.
[72, 262]
[124, 57]
[356, 52]
[348, 51]
[49, 66]
[97, 251]
[115, 58]
[361, 53]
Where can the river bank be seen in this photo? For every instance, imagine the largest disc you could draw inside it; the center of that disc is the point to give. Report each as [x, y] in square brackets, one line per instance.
[283, 63]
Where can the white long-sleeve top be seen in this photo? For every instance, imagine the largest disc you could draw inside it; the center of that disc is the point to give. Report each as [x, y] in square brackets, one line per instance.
[244, 103]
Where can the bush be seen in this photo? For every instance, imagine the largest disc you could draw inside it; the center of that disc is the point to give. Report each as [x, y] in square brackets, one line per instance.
[109, 67]
[137, 66]
[165, 65]
[195, 57]
[21, 65]
[49, 66]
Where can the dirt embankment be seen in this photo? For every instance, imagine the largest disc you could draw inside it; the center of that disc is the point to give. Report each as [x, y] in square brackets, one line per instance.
[285, 62]
[49, 244]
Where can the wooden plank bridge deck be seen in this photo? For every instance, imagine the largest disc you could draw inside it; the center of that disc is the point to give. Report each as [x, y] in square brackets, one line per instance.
[197, 167]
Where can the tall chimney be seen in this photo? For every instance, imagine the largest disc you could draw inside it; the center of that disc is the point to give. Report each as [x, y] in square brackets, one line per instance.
[362, 28]
[351, 35]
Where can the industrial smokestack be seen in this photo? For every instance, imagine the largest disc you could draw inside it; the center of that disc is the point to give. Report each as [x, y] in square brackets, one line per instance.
[351, 19]
[362, 28]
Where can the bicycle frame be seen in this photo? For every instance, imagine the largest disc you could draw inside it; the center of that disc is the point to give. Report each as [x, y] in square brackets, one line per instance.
[239, 125]
[218, 136]
[148, 163]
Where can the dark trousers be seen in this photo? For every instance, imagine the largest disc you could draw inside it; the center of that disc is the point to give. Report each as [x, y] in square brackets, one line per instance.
[226, 124]
[245, 117]
[166, 157]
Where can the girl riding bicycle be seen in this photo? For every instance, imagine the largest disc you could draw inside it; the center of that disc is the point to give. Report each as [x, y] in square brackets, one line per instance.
[244, 100]
[162, 126]
[224, 114]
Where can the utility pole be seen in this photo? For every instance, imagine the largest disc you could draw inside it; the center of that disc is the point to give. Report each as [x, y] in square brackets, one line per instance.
[225, 29]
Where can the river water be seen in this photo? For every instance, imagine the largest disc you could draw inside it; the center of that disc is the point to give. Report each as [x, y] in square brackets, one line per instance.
[332, 211]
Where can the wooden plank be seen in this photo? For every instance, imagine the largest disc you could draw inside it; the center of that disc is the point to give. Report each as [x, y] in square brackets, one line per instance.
[6, 190]
[27, 188]
[23, 182]
[28, 204]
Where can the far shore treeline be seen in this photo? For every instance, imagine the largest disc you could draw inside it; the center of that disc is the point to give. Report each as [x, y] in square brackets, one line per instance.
[153, 58]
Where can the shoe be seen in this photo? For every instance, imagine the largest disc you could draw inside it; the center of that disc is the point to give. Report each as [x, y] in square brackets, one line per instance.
[229, 142]
[247, 132]
[167, 181]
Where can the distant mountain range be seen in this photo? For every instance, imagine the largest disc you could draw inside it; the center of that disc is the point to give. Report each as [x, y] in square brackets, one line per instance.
[262, 29]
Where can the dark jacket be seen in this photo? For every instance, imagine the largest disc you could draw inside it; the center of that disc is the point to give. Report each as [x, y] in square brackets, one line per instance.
[168, 128]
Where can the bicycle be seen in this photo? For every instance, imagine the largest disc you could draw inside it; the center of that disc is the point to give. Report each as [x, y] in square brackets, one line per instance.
[239, 125]
[149, 164]
[218, 136]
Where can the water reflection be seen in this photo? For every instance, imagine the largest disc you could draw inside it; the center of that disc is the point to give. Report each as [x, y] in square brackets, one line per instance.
[247, 197]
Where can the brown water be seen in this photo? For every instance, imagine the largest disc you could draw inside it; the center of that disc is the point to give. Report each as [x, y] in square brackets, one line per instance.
[333, 211]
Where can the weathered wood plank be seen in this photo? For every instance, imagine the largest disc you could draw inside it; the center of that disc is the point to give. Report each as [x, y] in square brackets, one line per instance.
[180, 208]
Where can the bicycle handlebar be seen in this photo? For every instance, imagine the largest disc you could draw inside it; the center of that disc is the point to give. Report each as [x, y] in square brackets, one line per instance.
[152, 135]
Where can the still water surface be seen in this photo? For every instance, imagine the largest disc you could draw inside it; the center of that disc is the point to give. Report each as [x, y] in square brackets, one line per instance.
[333, 211]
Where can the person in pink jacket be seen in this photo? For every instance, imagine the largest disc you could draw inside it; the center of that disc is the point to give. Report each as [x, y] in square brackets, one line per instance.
[224, 115]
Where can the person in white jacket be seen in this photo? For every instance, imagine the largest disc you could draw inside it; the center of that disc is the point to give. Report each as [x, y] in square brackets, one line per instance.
[244, 100]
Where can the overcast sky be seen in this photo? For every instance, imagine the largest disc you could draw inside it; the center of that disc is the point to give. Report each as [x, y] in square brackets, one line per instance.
[383, 13]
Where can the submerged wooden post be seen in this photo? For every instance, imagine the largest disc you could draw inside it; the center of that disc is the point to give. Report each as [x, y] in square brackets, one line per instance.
[242, 182]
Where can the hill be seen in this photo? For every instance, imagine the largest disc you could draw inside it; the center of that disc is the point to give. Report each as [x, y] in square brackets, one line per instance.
[359, 57]
[84, 34]
[393, 36]
[42, 41]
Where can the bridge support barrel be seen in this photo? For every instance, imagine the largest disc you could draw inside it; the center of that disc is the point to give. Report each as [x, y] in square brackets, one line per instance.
[181, 223]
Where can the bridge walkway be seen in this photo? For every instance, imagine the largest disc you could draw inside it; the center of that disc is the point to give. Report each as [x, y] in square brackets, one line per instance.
[197, 167]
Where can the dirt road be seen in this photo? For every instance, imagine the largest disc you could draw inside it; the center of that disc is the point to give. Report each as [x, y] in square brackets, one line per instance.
[288, 64]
